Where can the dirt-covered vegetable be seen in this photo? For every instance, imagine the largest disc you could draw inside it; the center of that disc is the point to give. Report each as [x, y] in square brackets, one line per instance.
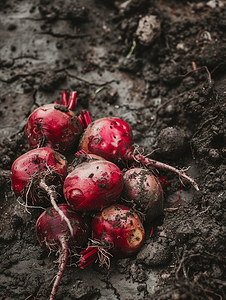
[53, 234]
[56, 126]
[143, 191]
[93, 185]
[37, 166]
[117, 230]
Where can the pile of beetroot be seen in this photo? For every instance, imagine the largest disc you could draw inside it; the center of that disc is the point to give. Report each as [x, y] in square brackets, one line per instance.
[98, 184]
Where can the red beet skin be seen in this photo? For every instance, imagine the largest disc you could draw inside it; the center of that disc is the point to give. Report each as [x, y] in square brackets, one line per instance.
[110, 138]
[29, 168]
[53, 234]
[118, 230]
[121, 228]
[93, 185]
[53, 126]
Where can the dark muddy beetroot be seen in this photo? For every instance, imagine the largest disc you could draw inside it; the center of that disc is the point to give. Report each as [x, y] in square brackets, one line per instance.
[93, 185]
[143, 191]
[112, 139]
[35, 165]
[53, 234]
[56, 126]
[116, 230]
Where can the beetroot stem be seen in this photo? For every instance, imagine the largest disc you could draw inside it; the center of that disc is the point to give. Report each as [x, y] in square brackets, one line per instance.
[62, 265]
[85, 119]
[147, 161]
[52, 195]
[85, 264]
[81, 152]
[88, 256]
[65, 98]
[72, 100]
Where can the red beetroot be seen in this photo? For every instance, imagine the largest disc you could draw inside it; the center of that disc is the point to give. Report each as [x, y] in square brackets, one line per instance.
[112, 139]
[53, 234]
[35, 165]
[143, 191]
[93, 185]
[117, 230]
[56, 126]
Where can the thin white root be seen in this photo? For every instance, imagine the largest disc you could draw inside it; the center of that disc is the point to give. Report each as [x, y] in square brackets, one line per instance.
[51, 193]
[28, 206]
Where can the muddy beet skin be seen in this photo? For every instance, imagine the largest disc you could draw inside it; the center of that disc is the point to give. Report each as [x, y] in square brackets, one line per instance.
[110, 138]
[143, 191]
[54, 126]
[28, 169]
[120, 228]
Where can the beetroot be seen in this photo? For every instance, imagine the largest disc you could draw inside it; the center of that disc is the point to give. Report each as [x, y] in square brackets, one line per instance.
[143, 191]
[93, 185]
[53, 234]
[112, 139]
[116, 230]
[56, 126]
[35, 166]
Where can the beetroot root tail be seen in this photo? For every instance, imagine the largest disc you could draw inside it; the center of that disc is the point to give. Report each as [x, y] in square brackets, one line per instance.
[51, 193]
[62, 266]
[156, 164]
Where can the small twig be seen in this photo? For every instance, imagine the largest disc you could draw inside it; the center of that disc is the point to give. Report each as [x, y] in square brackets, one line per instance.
[164, 104]
[196, 70]
[17, 76]
[63, 35]
[28, 297]
[200, 127]
[171, 209]
[204, 211]
[90, 83]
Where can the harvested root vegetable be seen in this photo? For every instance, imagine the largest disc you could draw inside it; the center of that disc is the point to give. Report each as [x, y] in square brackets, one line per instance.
[112, 139]
[93, 185]
[56, 126]
[117, 231]
[53, 234]
[36, 169]
[143, 191]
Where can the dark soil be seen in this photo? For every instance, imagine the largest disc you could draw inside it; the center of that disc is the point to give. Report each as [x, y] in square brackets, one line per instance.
[169, 85]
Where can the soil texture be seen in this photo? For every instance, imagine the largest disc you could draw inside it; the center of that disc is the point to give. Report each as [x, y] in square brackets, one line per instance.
[161, 67]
